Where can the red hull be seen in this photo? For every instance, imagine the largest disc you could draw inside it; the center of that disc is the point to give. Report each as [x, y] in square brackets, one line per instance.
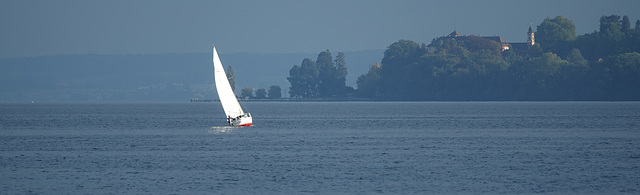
[245, 125]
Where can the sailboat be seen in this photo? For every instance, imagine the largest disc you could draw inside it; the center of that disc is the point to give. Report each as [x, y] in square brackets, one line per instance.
[235, 116]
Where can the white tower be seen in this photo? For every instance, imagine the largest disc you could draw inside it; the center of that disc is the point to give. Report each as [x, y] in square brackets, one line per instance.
[531, 40]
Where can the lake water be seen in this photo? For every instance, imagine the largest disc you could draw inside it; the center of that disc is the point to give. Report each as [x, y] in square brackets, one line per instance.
[322, 147]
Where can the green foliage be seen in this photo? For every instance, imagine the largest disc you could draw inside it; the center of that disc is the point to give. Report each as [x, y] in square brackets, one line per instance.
[558, 29]
[610, 27]
[326, 70]
[400, 54]
[486, 62]
[340, 76]
[246, 92]
[476, 43]
[304, 80]
[368, 84]
[577, 60]
[622, 73]
[261, 93]
[554, 34]
[626, 24]
[274, 92]
[538, 76]
[535, 51]
[324, 77]
[615, 37]
[604, 65]
[399, 57]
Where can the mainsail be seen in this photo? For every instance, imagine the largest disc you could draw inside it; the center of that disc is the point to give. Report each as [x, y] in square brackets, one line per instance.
[227, 97]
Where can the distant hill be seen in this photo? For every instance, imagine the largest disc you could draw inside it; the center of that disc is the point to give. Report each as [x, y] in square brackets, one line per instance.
[153, 77]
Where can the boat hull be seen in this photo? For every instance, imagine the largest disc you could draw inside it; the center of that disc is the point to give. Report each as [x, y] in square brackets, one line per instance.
[242, 121]
[235, 116]
[245, 125]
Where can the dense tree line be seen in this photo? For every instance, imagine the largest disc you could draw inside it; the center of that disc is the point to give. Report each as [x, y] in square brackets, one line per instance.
[322, 78]
[274, 91]
[603, 65]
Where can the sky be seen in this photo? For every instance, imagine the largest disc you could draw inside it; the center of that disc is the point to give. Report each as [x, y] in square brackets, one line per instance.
[43, 27]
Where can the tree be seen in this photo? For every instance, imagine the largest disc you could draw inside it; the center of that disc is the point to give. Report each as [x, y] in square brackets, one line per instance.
[611, 28]
[626, 24]
[368, 84]
[231, 78]
[553, 31]
[326, 72]
[275, 92]
[399, 54]
[538, 78]
[535, 51]
[612, 39]
[304, 80]
[622, 76]
[397, 59]
[321, 78]
[548, 64]
[295, 79]
[340, 74]
[476, 43]
[486, 62]
[576, 59]
[247, 92]
[603, 65]
[574, 77]
[261, 93]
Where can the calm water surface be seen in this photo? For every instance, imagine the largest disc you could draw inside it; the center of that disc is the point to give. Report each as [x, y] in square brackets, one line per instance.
[322, 147]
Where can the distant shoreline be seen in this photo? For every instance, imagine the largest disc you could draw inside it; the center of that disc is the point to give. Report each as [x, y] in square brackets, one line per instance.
[382, 100]
[297, 100]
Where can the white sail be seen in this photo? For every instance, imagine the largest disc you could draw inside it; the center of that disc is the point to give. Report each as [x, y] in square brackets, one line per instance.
[227, 97]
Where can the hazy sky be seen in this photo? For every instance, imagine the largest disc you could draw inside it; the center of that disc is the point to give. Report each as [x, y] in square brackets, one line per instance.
[33, 28]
